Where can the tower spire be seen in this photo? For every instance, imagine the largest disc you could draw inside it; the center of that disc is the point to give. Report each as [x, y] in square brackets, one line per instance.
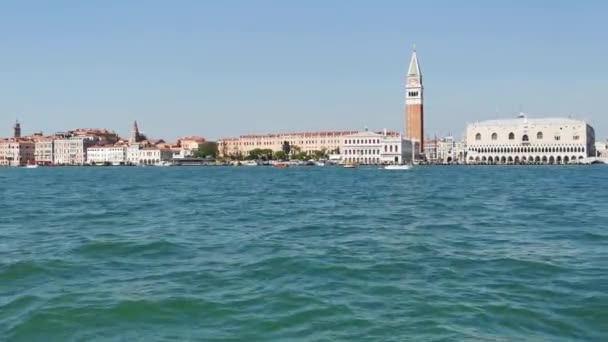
[414, 69]
[135, 133]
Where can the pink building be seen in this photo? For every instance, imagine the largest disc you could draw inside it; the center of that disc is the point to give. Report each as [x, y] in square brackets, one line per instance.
[306, 142]
[16, 152]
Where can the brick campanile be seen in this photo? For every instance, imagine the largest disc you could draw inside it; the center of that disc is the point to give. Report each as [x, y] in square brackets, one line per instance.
[414, 104]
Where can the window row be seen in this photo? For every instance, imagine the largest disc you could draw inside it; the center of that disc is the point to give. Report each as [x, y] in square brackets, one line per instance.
[527, 149]
[387, 149]
[360, 152]
[362, 141]
[525, 137]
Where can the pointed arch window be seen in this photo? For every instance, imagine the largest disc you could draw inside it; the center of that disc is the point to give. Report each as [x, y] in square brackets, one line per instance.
[525, 138]
[539, 135]
[511, 136]
[494, 136]
[478, 136]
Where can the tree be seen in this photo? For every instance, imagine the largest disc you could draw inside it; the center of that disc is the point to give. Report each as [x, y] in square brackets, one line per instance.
[258, 153]
[286, 147]
[319, 154]
[207, 149]
[296, 149]
[224, 150]
[300, 155]
[279, 155]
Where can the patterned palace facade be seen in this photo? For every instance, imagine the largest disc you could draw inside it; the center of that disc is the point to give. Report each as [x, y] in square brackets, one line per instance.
[529, 141]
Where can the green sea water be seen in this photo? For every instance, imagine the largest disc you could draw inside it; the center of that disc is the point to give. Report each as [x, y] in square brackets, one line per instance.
[304, 254]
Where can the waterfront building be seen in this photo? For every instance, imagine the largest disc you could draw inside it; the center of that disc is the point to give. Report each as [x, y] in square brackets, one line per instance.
[305, 142]
[133, 153]
[188, 145]
[113, 154]
[101, 136]
[414, 104]
[524, 141]
[450, 150]
[601, 149]
[369, 148]
[141, 154]
[72, 151]
[430, 149]
[16, 152]
[43, 150]
[445, 150]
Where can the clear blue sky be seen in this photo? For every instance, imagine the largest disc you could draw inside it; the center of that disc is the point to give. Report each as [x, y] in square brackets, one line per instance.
[224, 68]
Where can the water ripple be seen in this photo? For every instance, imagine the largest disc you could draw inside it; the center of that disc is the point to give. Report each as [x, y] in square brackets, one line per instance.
[304, 254]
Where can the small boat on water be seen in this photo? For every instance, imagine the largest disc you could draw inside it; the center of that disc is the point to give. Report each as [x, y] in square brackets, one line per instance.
[249, 163]
[398, 167]
[281, 165]
[350, 166]
[163, 164]
[319, 163]
[31, 166]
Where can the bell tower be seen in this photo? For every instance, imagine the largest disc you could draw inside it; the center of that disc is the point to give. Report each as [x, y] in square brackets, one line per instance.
[134, 133]
[414, 108]
[17, 130]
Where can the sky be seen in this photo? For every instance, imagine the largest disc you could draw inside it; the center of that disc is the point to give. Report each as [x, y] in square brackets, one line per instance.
[226, 68]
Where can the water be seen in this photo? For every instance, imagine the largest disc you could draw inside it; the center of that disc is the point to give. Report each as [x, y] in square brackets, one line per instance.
[304, 254]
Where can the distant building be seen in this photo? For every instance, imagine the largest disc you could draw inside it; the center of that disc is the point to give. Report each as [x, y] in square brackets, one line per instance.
[369, 148]
[449, 150]
[113, 155]
[430, 149]
[601, 149]
[140, 155]
[101, 136]
[307, 142]
[16, 152]
[44, 147]
[190, 144]
[72, 151]
[525, 141]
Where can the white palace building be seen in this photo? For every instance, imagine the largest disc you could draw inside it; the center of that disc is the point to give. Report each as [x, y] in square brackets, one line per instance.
[529, 141]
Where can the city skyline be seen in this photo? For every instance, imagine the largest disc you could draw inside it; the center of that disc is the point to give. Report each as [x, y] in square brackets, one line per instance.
[217, 70]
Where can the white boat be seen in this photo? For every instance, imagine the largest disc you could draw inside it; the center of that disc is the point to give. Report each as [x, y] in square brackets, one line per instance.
[398, 167]
[249, 163]
[319, 163]
[31, 166]
[163, 164]
[350, 166]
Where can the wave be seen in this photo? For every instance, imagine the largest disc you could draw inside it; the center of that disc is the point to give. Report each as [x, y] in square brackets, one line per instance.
[120, 248]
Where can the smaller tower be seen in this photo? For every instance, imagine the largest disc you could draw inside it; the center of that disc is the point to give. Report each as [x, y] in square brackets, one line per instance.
[134, 133]
[17, 130]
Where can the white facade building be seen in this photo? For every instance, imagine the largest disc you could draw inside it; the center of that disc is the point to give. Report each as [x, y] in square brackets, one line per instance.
[529, 141]
[43, 151]
[138, 155]
[601, 149]
[449, 150]
[114, 155]
[71, 151]
[369, 148]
